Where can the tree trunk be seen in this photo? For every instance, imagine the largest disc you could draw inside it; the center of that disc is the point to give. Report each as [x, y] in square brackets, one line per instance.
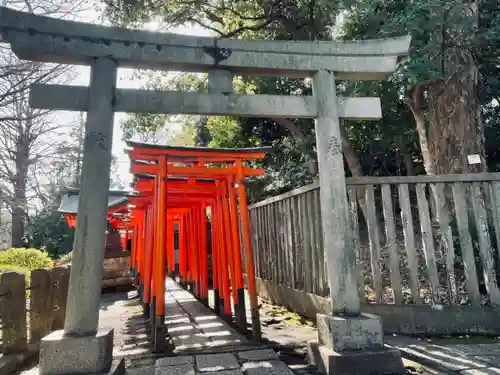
[455, 126]
[19, 201]
[203, 137]
[452, 129]
[420, 124]
[407, 158]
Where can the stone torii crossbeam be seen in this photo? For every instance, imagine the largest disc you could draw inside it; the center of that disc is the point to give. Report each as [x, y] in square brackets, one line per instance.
[80, 347]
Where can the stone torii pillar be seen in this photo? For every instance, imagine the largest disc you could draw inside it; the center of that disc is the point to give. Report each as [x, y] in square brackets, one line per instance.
[80, 347]
[349, 341]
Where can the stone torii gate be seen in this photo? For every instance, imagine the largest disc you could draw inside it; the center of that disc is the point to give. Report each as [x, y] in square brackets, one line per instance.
[80, 347]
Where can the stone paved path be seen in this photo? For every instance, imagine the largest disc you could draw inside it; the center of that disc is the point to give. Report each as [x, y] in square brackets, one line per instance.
[197, 331]
[206, 345]
[252, 362]
[191, 325]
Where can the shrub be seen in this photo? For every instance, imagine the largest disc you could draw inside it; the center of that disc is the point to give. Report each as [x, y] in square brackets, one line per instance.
[27, 259]
[50, 232]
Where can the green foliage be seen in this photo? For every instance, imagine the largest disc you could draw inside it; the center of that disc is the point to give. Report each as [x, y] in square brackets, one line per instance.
[50, 232]
[225, 132]
[144, 126]
[286, 169]
[142, 123]
[185, 137]
[29, 259]
[276, 19]
[432, 23]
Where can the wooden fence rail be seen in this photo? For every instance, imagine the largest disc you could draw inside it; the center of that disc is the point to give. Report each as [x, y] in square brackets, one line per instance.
[27, 317]
[420, 240]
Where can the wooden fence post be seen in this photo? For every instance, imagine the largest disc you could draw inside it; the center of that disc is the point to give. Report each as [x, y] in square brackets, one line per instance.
[40, 306]
[59, 292]
[13, 312]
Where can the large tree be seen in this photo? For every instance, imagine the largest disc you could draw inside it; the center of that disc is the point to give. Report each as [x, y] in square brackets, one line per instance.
[450, 76]
[30, 139]
[28, 142]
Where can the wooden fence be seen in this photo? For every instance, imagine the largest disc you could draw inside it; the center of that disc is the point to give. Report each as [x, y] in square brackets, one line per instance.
[28, 313]
[422, 240]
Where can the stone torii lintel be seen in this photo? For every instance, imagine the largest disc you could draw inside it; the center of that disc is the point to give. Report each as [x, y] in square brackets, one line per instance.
[46, 39]
[76, 98]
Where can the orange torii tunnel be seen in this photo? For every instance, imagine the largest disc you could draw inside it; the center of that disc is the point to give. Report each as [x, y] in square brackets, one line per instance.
[198, 194]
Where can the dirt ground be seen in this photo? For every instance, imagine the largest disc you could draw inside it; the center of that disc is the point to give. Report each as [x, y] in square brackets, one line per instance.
[289, 331]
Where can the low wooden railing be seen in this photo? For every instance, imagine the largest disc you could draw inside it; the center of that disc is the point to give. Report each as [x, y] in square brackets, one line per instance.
[419, 240]
[28, 313]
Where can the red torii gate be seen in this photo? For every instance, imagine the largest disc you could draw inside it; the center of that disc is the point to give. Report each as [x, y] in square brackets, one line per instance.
[181, 186]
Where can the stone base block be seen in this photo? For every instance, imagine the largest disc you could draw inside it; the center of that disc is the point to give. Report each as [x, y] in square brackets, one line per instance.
[365, 362]
[60, 355]
[350, 333]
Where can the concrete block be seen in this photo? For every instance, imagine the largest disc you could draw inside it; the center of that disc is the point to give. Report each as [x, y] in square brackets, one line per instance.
[175, 370]
[175, 361]
[424, 320]
[61, 354]
[267, 368]
[258, 355]
[350, 333]
[216, 362]
[365, 362]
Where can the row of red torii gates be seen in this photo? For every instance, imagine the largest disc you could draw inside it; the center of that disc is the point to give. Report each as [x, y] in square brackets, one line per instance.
[187, 188]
